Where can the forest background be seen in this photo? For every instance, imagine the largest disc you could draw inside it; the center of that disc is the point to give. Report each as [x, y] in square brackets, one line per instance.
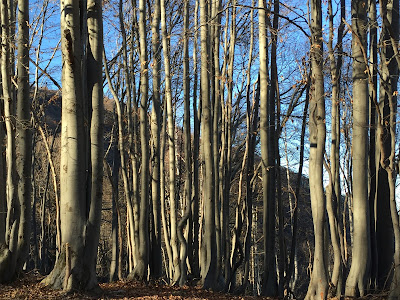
[249, 148]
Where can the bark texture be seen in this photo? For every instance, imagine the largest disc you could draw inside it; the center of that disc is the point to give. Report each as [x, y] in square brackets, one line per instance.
[318, 286]
[356, 284]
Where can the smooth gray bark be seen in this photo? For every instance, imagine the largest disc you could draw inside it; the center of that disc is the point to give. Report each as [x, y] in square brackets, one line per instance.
[194, 222]
[140, 270]
[208, 269]
[357, 280]
[269, 282]
[333, 193]
[171, 147]
[72, 171]
[24, 135]
[318, 287]
[95, 99]
[187, 148]
[10, 255]
[156, 258]
[373, 160]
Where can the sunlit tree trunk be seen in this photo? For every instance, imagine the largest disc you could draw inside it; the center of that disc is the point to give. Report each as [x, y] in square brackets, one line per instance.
[333, 192]
[171, 147]
[270, 283]
[156, 258]
[130, 189]
[357, 280]
[24, 135]
[318, 286]
[96, 111]
[115, 266]
[194, 232]
[187, 147]
[9, 250]
[80, 216]
[208, 267]
[216, 116]
[373, 160]
[72, 171]
[140, 270]
[252, 124]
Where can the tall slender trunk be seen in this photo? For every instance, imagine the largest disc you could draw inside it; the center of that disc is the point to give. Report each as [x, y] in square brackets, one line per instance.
[171, 146]
[293, 246]
[155, 261]
[252, 124]
[187, 147]
[334, 192]
[215, 16]
[274, 120]
[388, 84]
[115, 266]
[373, 161]
[9, 255]
[140, 270]
[208, 267]
[120, 136]
[269, 283]
[386, 231]
[318, 286]
[357, 280]
[194, 253]
[96, 111]
[131, 193]
[24, 135]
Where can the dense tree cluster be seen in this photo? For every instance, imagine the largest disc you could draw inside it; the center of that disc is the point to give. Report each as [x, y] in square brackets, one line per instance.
[183, 148]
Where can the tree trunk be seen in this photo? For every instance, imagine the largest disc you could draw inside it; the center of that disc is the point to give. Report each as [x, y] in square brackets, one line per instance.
[115, 266]
[10, 255]
[318, 286]
[187, 147]
[388, 84]
[386, 199]
[140, 270]
[131, 189]
[171, 147]
[333, 198]
[24, 135]
[357, 280]
[155, 261]
[208, 269]
[373, 160]
[95, 98]
[252, 125]
[270, 283]
[194, 245]
[293, 245]
[72, 172]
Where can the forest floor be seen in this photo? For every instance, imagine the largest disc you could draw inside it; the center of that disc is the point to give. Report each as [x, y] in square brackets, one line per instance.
[29, 287]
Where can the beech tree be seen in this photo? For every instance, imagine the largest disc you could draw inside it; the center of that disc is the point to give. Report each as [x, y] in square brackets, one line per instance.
[156, 261]
[269, 284]
[208, 261]
[80, 217]
[199, 142]
[333, 191]
[384, 173]
[15, 221]
[356, 283]
[318, 287]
